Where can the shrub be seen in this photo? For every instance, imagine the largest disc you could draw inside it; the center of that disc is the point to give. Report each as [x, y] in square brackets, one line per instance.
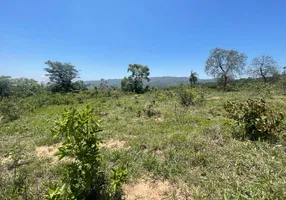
[5, 86]
[264, 90]
[136, 109]
[191, 96]
[160, 96]
[282, 84]
[9, 111]
[201, 100]
[83, 177]
[150, 111]
[186, 95]
[255, 117]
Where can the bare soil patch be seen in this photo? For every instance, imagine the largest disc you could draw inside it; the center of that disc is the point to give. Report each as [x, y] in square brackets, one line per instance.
[215, 98]
[115, 144]
[150, 189]
[48, 152]
[159, 119]
[5, 160]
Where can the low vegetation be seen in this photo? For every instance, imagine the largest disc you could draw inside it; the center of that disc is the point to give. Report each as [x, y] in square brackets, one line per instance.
[224, 140]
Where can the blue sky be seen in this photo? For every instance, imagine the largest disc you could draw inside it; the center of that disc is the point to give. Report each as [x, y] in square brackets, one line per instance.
[102, 37]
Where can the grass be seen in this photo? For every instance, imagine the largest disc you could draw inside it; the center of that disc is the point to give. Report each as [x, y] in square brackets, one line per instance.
[191, 147]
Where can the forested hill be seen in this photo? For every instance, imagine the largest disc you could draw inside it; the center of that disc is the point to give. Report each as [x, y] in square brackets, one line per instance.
[159, 82]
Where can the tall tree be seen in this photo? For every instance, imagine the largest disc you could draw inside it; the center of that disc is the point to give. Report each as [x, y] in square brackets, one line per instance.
[61, 75]
[225, 64]
[134, 83]
[193, 78]
[264, 67]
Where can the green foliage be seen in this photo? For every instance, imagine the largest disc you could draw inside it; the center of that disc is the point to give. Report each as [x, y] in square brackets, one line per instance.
[48, 99]
[264, 90]
[5, 86]
[189, 145]
[83, 178]
[17, 186]
[134, 83]
[126, 84]
[104, 89]
[134, 109]
[79, 86]
[150, 111]
[19, 87]
[178, 139]
[160, 96]
[9, 111]
[186, 95]
[191, 96]
[23, 87]
[103, 84]
[255, 117]
[61, 76]
[282, 84]
[118, 175]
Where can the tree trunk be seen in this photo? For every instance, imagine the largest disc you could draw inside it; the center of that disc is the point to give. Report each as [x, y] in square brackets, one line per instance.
[264, 77]
[224, 82]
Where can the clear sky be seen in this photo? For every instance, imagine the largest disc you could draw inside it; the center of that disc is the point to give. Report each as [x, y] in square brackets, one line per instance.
[101, 37]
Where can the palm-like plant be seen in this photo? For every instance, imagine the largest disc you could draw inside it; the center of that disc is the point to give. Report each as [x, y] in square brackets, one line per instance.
[193, 78]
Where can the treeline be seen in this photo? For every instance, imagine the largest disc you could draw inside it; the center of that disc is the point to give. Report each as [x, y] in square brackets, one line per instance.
[223, 65]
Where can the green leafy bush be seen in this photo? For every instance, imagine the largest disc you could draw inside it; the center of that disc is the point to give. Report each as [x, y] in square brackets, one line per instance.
[9, 111]
[282, 84]
[5, 86]
[160, 96]
[263, 90]
[255, 117]
[186, 95]
[150, 111]
[191, 96]
[201, 97]
[83, 178]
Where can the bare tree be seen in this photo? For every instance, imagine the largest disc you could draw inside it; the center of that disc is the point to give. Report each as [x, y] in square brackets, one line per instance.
[225, 64]
[263, 66]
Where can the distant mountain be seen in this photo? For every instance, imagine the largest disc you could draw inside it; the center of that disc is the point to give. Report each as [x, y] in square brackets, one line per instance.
[159, 82]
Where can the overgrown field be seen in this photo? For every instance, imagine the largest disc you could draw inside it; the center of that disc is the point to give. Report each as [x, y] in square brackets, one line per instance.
[171, 149]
